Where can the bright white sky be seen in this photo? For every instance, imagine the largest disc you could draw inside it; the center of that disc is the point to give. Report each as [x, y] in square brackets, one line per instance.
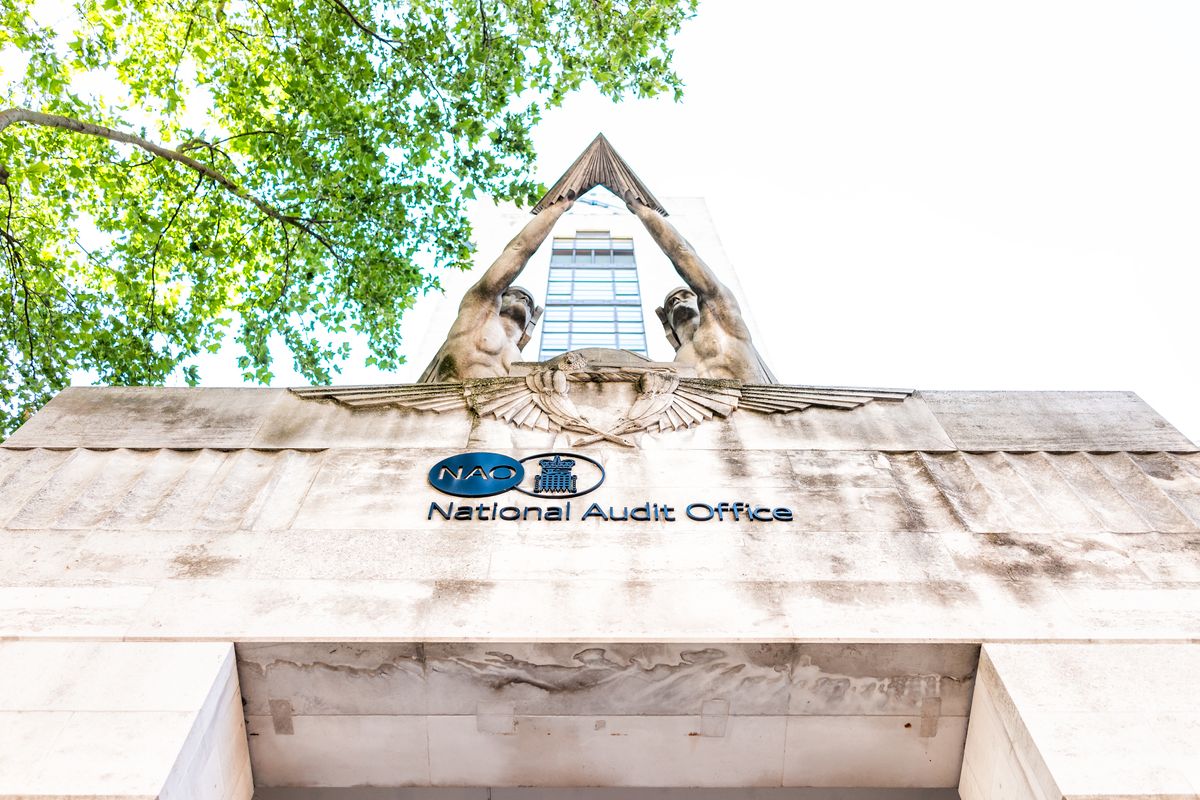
[941, 195]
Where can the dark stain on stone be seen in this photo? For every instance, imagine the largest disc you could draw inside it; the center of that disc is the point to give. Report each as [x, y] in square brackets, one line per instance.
[450, 594]
[593, 668]
[735, 460]
[504, 669]
[1157, 468]
[1044, 560]
[777, 657]
[767, 595]
[386, 660]
[638, 592]
[704, 656]
[909, 474]
[1020, 562]
[859, 593]
[195, 562]
[731, 440]
[457, 589]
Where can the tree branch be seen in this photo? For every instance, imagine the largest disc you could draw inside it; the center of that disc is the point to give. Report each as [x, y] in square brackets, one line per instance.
[14, 115]
[8, 216]
[287, 267]
[487, 34]
[388, 43]
[247, 133]
[158, 244]
[266, 19]
[362, 26]
[213, 150]
[15, 266]
[187, 37]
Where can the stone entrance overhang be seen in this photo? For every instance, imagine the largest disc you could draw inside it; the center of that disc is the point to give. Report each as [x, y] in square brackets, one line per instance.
[380, 645]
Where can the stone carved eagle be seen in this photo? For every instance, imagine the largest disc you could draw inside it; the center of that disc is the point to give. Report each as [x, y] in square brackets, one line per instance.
[540, 399]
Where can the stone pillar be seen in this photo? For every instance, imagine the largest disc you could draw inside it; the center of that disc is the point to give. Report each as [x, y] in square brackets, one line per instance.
[122, 720]
[1051, 721]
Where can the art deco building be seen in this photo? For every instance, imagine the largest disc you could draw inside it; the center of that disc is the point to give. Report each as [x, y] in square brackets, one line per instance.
[598, 578]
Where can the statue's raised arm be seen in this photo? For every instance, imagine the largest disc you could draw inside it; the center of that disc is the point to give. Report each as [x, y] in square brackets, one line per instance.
[704, 320]
[495, 317]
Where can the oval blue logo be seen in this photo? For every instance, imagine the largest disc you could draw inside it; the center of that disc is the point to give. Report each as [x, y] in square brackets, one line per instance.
[476, 474]
[562, 475]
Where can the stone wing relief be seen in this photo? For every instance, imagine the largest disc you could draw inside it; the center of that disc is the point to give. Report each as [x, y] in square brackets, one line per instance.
[541, 398]
[435, 397]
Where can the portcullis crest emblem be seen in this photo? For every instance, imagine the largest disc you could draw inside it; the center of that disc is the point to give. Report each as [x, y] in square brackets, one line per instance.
[556, 477]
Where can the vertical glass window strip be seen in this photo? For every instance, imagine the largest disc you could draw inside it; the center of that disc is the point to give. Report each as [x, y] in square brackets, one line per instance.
[593, 298]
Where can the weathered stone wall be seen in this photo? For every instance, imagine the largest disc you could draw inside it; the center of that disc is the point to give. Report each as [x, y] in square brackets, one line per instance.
[946, 517]
[832, 649]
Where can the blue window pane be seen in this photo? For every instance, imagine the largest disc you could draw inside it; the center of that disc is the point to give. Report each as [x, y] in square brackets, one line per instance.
[596, 291]
[594, 340]
[591, 327]
[595, 312]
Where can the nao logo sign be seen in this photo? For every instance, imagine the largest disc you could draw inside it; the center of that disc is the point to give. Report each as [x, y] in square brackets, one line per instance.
[561, 476]
[476, 474]
[550, 475]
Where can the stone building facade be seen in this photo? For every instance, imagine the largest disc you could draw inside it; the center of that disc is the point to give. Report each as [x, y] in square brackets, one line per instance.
[209, 593]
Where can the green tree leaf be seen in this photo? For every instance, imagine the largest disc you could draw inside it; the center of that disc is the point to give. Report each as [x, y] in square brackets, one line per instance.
[298, 167]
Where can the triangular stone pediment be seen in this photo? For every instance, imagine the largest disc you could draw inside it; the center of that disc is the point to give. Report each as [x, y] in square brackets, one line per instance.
[599, 165]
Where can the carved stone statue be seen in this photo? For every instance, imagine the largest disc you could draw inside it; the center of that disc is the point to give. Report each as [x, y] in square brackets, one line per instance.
[703, 319]
[495, 318]
[717, 370]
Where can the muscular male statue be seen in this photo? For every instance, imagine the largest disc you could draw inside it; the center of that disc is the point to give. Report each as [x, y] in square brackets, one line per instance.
[709, 332]
[494, 314]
